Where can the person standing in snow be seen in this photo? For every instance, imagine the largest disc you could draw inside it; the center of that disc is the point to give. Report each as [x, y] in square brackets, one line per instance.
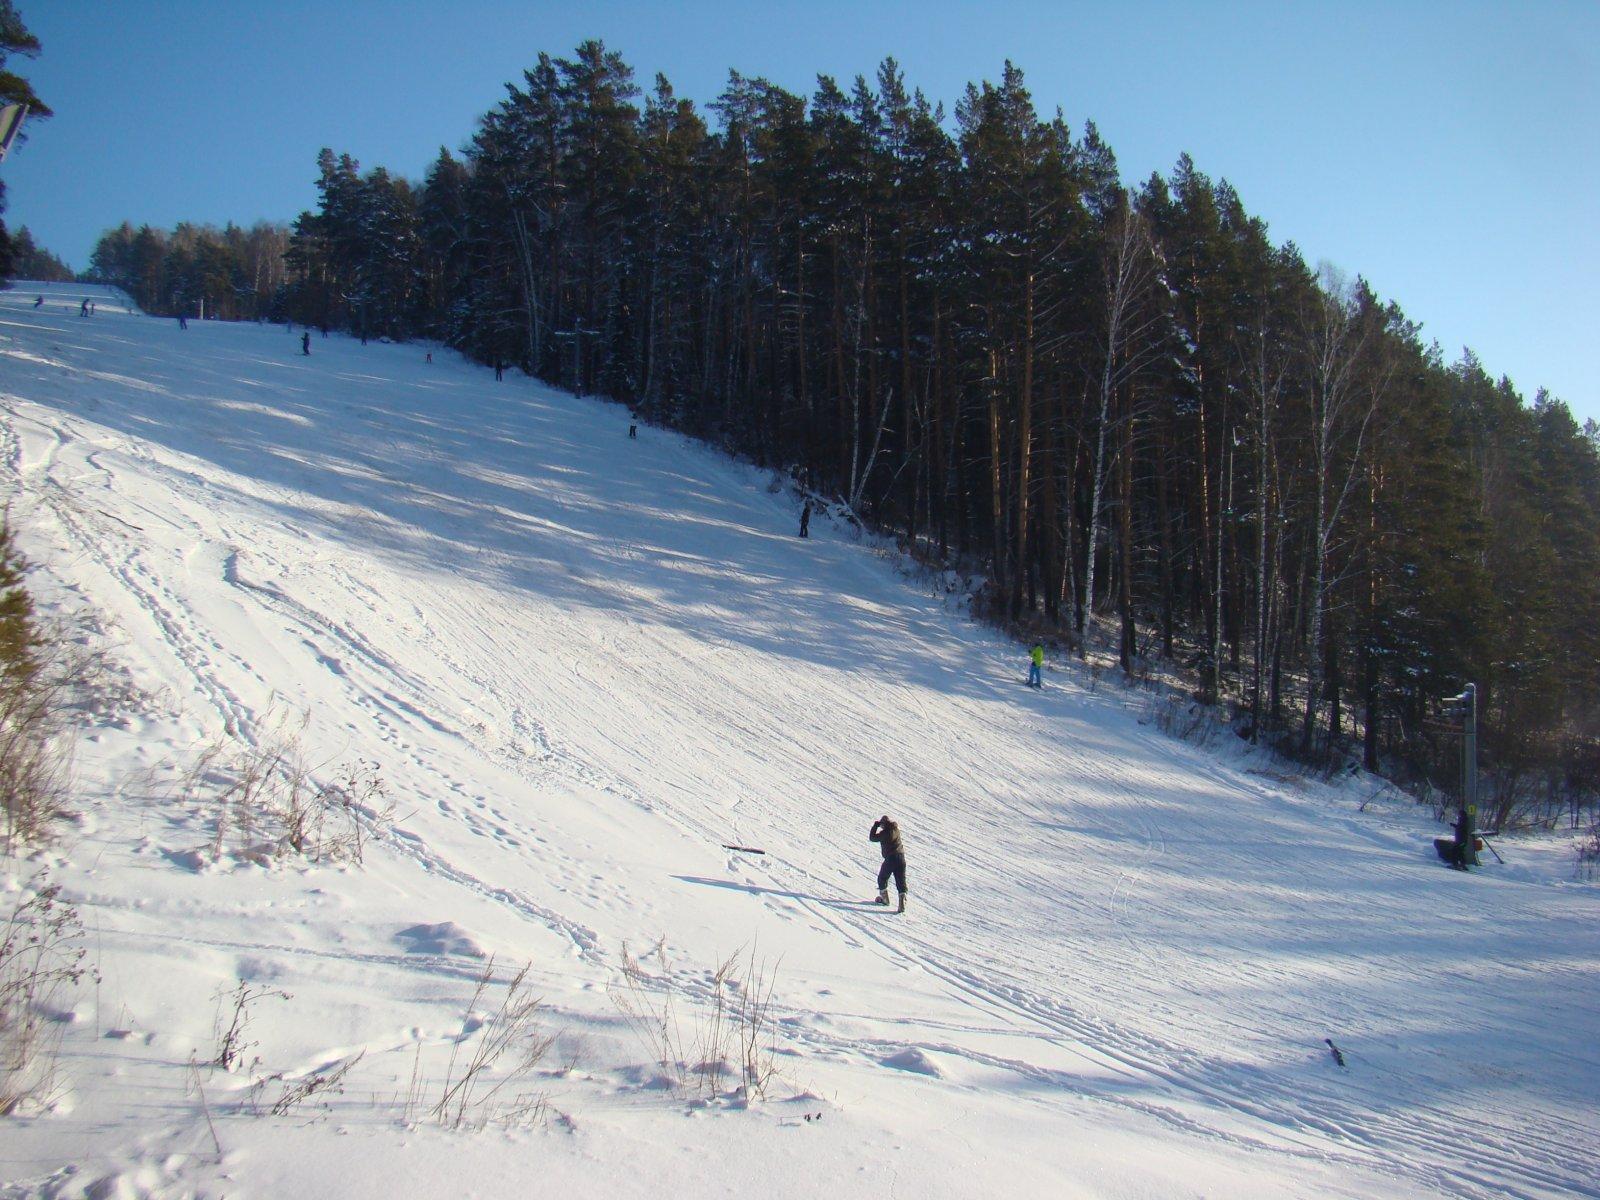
[1036, 666]
[1466, 837]
[887, 834]
[183, 321]
[305, 342]
[805, 520]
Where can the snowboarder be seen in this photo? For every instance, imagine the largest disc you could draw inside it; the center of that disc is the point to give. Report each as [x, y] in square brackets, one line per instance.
[805, 520]
[887, 834]
[305, 342]
[1036, 666]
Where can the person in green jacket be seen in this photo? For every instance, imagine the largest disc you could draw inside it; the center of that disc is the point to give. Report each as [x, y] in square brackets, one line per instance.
[1036, 667]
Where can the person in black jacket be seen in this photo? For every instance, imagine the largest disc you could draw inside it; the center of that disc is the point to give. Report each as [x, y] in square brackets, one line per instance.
[887, 834]
[1466, 837]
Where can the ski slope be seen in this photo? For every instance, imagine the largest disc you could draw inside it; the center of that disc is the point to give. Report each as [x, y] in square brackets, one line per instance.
[582, 663]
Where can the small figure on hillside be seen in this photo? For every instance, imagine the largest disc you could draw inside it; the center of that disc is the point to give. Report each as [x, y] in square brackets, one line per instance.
[633, 430]
[38, 301]
[83, 309]
[430, 356]
[91, 308]
[805, 520]
[1036, 666]
[887, 834]
[183, 321]
[1466, 837]
[499, 370]
[305, 342]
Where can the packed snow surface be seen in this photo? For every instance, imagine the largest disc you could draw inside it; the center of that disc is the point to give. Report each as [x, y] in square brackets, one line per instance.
[580, 664]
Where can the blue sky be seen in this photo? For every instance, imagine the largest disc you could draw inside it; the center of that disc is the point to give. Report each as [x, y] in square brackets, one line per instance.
[1449, 152]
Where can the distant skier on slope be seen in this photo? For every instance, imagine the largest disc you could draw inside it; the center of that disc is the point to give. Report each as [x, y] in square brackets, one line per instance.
[805, 520]
[1036, 666]
[887, 834]
[305, 342]
[38, 301]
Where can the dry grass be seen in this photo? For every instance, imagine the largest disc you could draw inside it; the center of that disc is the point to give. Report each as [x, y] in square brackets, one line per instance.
[41, 957]
[732, 1034]
[268, 799]
[486, 1086]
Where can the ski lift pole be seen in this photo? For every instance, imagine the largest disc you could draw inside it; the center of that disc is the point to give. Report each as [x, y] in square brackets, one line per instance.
[1465, 707]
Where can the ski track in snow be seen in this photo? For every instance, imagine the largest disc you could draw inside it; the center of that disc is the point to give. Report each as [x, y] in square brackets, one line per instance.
[487, 590]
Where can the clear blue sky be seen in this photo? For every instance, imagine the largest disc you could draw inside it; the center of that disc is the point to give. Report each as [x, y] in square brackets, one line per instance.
[1448, 151]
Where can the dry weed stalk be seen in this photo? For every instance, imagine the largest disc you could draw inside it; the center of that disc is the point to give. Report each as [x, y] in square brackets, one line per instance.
[41, 956]
[504, 1056]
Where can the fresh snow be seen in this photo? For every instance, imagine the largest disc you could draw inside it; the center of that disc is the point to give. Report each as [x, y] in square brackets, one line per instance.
[580, 664]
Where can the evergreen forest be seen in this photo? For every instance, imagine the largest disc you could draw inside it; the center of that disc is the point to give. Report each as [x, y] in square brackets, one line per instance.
[1149, 427]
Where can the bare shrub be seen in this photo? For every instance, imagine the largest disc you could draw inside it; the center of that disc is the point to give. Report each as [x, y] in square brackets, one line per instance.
[229, 1028]
[40, 670]
[325, 1082]
[1588, 865]
[268, 798]
[734, 1027]
[647, 1005]
[41, 956]
[756, 1028]
[1186, 719]
[510, 1046]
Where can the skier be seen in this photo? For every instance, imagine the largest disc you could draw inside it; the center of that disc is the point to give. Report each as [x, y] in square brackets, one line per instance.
[38, 301]
[499, 370]
[887, 834]
[83, 309]
[805, 520]
[183, 321]
[305, 342]
[1036, 667]
[1466, 837]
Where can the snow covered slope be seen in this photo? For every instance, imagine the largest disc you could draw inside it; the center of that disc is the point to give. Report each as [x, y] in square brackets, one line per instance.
[580, 664]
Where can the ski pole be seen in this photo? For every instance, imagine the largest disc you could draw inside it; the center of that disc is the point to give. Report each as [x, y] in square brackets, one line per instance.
[1492, 850]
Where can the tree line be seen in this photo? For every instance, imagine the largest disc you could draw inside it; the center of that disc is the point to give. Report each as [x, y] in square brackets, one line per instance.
[1141, 417]
[197, 270]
